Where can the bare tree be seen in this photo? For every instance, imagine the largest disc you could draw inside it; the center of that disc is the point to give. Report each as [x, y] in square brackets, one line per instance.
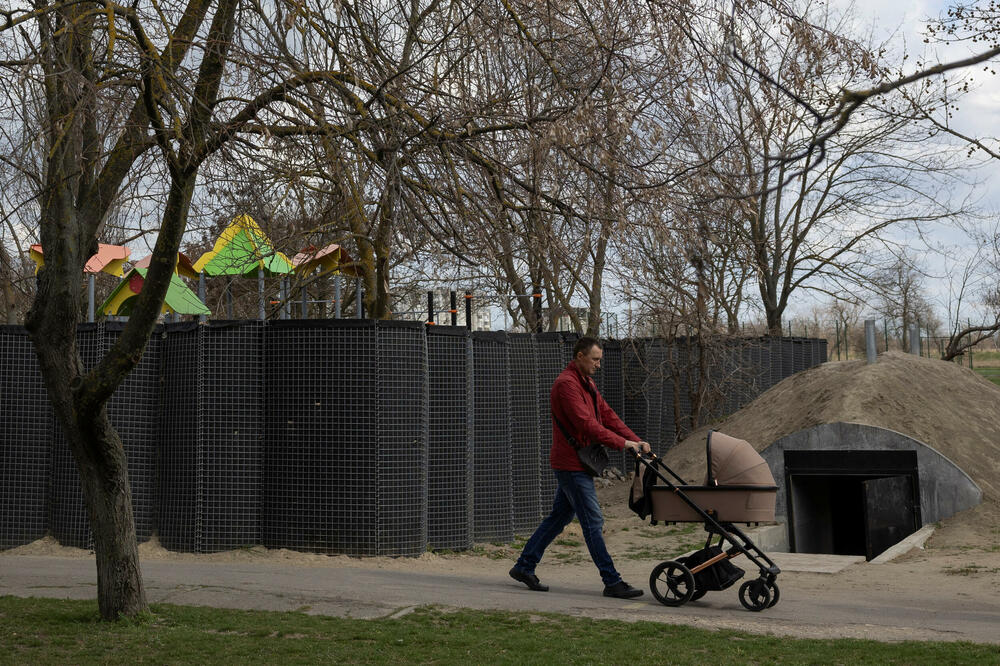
[825, 227]
[901, 296]
[974, 293]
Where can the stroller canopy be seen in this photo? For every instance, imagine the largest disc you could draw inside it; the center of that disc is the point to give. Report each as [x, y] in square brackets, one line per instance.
[733, 462]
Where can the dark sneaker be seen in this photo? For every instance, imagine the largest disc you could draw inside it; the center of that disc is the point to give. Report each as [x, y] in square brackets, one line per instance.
[622, 590]
[531, 580]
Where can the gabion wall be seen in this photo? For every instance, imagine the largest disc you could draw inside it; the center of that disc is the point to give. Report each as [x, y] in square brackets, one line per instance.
[343, 436]
[493, 498]
[25, 442]
[449, 438]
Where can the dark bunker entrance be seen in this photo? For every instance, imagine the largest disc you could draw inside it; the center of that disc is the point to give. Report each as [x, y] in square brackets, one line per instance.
[852, 502]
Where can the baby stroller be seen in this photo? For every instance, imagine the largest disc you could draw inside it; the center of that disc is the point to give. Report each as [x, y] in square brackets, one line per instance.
[739, 488]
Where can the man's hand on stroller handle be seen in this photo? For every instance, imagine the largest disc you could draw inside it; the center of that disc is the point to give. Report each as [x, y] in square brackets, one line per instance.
[638, 447]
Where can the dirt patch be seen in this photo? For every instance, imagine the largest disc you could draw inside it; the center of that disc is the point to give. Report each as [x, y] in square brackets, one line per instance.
[950, 408]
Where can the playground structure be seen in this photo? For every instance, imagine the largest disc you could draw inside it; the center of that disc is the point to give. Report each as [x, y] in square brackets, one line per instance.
[241, 250]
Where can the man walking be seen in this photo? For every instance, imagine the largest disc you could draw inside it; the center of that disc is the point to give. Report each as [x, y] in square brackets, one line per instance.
[581, 411]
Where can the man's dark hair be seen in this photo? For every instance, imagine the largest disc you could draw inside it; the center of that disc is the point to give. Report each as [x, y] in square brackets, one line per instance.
[584, 344]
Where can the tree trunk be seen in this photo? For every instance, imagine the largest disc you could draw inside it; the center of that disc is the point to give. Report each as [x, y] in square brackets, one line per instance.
[97, 450]
[10, 308]
[108, 495]
[773, 322]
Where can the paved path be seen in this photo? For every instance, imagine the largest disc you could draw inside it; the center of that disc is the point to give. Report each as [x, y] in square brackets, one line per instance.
[821, 605]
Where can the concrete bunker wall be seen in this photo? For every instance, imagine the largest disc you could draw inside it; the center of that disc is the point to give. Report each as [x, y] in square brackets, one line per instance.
[944, 488]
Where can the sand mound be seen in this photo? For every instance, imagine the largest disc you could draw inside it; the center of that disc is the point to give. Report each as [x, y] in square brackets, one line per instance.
[947, 407]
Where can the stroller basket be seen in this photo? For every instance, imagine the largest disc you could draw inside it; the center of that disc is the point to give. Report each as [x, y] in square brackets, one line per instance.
[715, 577]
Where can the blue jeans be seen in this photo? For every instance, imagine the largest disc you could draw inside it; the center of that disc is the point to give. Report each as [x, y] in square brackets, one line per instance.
[575, 495]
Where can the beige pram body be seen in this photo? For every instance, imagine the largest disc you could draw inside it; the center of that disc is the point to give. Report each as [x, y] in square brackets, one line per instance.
[739, 487]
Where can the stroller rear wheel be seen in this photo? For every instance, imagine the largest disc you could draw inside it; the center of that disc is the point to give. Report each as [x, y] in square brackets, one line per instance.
[671, 583]
[755, 595]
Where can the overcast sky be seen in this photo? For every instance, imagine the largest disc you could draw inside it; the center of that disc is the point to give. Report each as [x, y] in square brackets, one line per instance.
[903, 25]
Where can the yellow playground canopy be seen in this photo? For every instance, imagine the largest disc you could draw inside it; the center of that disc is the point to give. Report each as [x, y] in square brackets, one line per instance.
[242, 249]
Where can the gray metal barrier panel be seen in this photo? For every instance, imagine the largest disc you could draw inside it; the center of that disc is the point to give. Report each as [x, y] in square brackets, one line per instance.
[449, 445]
[524, 432]
[25, 441]
[492, 518]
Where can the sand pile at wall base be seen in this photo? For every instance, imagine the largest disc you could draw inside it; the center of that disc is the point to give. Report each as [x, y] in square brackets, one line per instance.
[950, 408]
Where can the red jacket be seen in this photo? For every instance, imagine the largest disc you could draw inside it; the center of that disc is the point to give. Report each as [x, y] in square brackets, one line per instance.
[573, 405]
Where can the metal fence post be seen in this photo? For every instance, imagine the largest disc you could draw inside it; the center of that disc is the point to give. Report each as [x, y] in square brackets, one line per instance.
[336, 296]
[283, 293]
[260, 294]
[201, 295]
[915, 339]
[870, 340]
[90, 297]
[360, 310]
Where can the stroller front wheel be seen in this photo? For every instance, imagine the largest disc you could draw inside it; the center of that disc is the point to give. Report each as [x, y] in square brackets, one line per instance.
[671, 583]
[755, 595]
[775, 593]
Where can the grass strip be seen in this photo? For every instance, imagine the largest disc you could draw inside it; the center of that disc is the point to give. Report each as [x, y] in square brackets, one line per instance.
[51, 631]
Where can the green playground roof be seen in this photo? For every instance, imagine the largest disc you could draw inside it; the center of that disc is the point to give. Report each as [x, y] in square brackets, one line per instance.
[242, 249]
[179, 298]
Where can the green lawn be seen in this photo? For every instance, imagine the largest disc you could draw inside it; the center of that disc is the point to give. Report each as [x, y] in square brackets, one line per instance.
[46, 631]
[990, 373]
[986, 358]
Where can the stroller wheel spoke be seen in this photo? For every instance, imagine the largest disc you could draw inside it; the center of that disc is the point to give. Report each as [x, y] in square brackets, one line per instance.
[671, 583]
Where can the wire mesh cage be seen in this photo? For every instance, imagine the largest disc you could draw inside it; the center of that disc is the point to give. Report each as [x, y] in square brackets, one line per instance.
[402, 428]
[449, 444]
[611, 384]
[669, 397]
[526, 459]
[801, 354]
[492, 518]
[551, 361]
[777, 365]
[25, 441]
[68, 521]
[635, 372]
[133, 411]
[180, 506]
[231, 425]
[320, 446]
[211, 449]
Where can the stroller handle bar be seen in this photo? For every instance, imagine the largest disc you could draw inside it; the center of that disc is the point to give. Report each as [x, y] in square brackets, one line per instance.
[653, 456]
